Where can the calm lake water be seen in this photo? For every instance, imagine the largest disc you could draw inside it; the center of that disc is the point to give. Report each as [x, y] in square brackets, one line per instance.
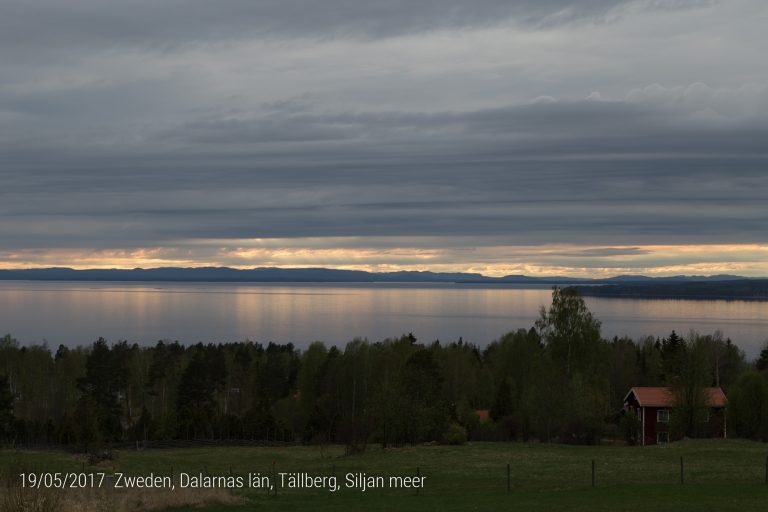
[78, 313]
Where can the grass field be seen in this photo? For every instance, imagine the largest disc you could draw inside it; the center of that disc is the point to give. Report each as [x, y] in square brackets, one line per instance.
[719, 475]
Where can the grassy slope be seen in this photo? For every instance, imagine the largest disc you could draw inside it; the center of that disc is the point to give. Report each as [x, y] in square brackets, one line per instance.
[720, 475]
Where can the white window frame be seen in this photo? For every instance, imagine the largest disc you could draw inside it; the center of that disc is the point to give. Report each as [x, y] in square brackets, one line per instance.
[665, 418]
[659, 435]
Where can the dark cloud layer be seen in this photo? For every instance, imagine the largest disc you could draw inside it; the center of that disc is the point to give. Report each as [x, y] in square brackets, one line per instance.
[577, 172]
[173, 22]
[627, 185]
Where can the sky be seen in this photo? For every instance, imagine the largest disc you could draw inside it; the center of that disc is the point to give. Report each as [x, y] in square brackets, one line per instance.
[539, 137]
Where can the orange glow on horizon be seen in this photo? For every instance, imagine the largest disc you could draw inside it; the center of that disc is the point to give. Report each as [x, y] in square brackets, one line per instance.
[491, 260]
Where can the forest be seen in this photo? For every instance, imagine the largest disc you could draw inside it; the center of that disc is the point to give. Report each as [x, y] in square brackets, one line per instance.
[556, 381]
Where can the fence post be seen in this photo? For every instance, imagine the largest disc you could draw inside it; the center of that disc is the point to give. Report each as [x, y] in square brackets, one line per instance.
[593, 472]
[682, 472]
[766, 469]
[274, 475]
[509, 478]
[418, 474]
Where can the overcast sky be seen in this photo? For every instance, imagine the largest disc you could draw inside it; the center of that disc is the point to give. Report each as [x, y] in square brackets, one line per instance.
[597, 137]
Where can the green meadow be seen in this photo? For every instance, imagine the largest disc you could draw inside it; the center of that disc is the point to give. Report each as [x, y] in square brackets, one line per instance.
[718, 475]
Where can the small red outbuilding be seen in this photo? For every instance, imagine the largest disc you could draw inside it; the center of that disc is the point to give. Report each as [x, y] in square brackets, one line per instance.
[653, 405]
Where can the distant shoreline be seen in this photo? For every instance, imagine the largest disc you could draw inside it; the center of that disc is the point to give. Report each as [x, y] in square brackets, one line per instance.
[629, 287]
[752, 290]
[678, 297]
[733, 291]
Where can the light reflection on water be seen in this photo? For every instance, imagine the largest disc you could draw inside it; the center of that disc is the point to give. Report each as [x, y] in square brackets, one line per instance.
[78, 313]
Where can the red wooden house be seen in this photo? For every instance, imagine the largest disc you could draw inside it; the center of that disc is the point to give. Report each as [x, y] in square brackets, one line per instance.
[652, 406]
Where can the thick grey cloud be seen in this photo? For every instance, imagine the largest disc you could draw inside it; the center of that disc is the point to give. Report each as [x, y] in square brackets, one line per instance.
[600, 123]
[173, 22]
[568, 171]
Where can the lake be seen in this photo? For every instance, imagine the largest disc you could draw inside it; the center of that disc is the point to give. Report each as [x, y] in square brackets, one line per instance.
[77, 313]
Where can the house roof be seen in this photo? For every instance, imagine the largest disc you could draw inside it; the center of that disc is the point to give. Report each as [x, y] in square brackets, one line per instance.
[482, 415]
[663, 397]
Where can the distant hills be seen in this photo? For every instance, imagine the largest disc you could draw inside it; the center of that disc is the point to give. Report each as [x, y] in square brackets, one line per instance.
[624, 286]
[264, 274]
[324, 275]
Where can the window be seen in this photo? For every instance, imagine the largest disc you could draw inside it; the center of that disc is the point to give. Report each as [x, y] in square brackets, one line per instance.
[662, 437]
[662, 416]
[704, 417]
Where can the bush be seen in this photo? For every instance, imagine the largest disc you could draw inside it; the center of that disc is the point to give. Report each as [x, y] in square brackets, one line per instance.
[748, 407]
[455, 434]
[486, 431]
[97, 456]
[630, 426]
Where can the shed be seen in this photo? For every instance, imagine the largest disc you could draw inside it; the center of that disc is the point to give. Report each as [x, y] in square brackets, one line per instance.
[653, 405]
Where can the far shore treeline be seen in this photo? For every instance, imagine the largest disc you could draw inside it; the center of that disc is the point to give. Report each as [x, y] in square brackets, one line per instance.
[557, 381]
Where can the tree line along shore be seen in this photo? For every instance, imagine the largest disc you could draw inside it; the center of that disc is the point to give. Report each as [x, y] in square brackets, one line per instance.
[557, 381]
